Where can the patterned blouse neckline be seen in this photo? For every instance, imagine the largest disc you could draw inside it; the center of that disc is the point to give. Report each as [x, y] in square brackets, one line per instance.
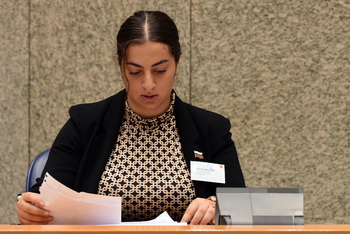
[149, 124]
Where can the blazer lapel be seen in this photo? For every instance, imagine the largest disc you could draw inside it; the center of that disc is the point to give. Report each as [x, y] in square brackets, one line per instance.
[190, 140]
[103, 143]
[187, 130]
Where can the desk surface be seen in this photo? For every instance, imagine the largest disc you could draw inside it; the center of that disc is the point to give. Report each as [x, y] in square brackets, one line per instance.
[257, 229]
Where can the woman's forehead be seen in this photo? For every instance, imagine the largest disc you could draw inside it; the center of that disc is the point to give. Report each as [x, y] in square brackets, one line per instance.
[148, 52]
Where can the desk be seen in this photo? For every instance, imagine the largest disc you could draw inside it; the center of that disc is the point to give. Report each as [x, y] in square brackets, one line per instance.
[76, 229]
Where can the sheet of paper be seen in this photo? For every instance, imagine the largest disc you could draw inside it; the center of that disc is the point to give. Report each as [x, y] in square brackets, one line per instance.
[208, 172]
[162, 220]
[69, 207]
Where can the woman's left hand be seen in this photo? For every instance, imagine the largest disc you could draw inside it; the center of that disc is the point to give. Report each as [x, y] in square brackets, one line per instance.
[201, 211]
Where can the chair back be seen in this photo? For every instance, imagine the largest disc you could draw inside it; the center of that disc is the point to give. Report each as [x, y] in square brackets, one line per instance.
[36, 168]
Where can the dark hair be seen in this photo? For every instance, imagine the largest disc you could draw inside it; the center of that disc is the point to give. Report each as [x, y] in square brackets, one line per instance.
[145, 26]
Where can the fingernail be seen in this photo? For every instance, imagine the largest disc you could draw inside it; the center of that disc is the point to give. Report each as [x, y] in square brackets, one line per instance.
[42, 204]
[46, 213]
[49, 218]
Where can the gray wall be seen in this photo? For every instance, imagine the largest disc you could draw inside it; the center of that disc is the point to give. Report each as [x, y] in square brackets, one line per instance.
[278, 69]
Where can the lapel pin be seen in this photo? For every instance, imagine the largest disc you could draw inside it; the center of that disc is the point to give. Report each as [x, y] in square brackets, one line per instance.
[198, 154]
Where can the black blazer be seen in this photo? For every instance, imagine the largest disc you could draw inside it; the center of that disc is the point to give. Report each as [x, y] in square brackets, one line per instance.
[81, 150]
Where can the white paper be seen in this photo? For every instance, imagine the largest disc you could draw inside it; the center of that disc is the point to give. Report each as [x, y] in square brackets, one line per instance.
[70, 207]
[162, 220]
[208, 172]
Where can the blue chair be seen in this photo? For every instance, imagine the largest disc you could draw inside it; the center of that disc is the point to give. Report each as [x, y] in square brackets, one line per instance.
[36, 168]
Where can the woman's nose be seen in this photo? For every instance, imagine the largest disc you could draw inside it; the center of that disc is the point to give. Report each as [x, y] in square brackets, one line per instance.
[148, 82]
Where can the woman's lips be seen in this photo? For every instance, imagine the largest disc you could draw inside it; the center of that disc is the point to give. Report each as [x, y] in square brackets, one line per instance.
[149, 98]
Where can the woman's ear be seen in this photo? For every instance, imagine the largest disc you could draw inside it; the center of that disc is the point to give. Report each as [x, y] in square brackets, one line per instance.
[177, 63]
[177, 67]
[117, 57]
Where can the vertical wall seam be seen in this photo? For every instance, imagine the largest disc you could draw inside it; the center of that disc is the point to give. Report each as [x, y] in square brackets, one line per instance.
[29, 79]
[190, 98]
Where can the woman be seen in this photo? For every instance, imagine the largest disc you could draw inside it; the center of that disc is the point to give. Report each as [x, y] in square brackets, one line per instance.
[138, 144]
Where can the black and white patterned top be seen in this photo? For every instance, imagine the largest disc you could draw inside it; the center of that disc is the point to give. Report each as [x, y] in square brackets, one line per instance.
[147, 168]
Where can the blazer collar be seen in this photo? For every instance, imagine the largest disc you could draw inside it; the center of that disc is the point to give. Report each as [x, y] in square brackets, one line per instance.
[184, 120]
[115, 112]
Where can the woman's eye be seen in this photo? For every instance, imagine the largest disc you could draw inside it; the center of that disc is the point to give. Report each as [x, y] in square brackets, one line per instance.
[134, 73]
[161, 71]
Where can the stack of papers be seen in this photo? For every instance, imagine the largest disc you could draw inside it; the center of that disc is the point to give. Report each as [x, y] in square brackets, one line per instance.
[70, 207]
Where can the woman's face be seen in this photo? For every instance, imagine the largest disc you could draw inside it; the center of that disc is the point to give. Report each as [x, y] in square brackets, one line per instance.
[150, 71]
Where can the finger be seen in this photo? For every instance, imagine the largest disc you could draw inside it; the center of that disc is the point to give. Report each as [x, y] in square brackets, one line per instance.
[30, 211]
[29, 208]
[209, 216]
[190, 211]
[27, 218]
[33, 198]
[35, 218]
[28, 222]
[198, 216]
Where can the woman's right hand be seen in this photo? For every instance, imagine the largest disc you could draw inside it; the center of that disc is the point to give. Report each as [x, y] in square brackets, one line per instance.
[30, 210]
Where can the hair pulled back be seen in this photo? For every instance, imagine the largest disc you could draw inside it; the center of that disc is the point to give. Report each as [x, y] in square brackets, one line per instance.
[145, 26]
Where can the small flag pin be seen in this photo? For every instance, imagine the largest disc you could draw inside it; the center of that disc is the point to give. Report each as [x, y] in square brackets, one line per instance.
[198, 154]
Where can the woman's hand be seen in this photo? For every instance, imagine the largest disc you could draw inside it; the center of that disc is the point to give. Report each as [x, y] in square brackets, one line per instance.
[30, 210]
[200, 211]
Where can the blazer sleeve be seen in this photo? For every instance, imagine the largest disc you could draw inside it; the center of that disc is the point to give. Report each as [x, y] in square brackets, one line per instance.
[223, 151]
[65, 155]
[208, 132]
[220, 149]
[82, 147]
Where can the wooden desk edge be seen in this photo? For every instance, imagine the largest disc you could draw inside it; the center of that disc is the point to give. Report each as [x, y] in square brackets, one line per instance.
[256, 229]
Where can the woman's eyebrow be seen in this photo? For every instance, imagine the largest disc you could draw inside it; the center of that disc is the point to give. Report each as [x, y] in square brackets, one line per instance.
[133, 64]
[153, 65]
[160, 62]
